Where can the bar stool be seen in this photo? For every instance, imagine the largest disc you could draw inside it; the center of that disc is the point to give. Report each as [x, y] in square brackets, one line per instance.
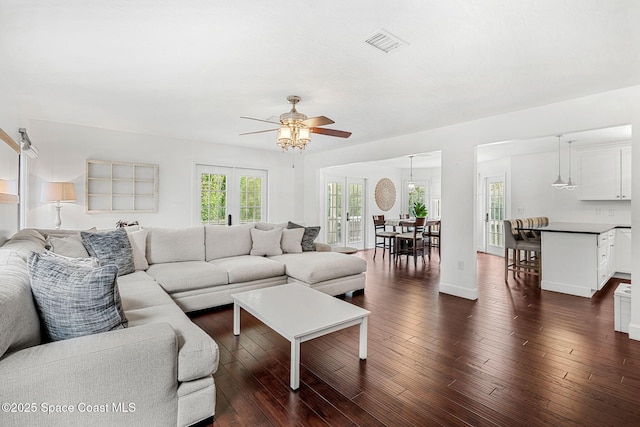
[518, 242]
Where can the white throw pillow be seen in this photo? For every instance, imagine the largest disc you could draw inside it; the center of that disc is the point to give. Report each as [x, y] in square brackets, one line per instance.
[138, 240]
[266, 243]
[291, 242]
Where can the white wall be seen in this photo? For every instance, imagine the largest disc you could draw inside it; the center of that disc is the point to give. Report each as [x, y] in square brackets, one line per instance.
[64, 149]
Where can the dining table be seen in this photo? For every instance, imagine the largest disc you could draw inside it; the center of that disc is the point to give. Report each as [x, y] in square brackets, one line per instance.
[395, 222]
[429, 223]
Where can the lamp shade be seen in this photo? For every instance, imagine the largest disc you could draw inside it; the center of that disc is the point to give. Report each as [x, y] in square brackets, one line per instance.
[8, 187]
[58, 192]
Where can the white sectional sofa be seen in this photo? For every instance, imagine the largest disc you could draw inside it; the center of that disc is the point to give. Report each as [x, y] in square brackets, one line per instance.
[162, 363]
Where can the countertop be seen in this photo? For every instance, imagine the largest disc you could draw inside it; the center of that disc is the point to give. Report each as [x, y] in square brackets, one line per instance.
[580, 227]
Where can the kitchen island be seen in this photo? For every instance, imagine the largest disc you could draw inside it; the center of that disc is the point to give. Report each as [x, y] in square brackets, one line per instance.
[580, 258]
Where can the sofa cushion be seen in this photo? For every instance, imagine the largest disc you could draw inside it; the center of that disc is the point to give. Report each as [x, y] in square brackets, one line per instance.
[246, 268]
[223, 241]
[310, 234]
[138, 241]
[320, 266]
[111, 248]
[266, 226]
[73, 299]
[175, 244]
[139, 290]
[197, 352]
[291, 242]
[24, 242]
[265, 243]
[19, 323]
[187, 275]
[29, 234]
[70, 246]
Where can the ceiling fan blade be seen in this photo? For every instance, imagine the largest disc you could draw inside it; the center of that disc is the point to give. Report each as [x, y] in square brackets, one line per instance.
[331, 132]
[317, 121]
[260, 120]
[259, 131]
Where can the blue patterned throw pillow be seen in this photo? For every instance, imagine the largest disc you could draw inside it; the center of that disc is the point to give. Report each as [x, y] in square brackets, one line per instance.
[75, 299]
[310, 234]
[111, 248]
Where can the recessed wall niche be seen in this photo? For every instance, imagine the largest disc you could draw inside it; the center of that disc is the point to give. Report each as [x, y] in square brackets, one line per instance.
[121, 187]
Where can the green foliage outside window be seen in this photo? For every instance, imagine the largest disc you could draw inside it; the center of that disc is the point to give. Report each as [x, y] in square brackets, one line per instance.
[415, 196]
[213, 199]
[250, 199]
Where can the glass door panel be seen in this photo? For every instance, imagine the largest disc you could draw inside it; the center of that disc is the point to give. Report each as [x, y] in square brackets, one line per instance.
[494, 216]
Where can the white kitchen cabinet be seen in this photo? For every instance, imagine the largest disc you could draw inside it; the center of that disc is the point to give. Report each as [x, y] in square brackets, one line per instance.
[604, 173]
[623, 250]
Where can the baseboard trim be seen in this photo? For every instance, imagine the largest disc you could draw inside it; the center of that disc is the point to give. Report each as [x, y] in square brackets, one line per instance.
[634, 332]
[459, 291]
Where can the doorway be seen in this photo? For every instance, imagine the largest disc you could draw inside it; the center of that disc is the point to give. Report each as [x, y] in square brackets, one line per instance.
[345, 200]
[494, 215]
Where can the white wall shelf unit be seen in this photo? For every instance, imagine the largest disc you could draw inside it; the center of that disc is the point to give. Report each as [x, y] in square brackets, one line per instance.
[121, 187]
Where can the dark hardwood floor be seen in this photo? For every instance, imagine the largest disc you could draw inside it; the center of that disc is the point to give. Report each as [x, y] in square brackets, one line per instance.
[517, 356]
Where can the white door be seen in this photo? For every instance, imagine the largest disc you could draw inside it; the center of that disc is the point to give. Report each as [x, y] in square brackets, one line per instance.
[345, 212]
[225, 195]
[494, 216]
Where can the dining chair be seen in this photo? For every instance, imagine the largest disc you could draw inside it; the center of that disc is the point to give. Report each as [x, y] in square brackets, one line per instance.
[411, 242]
[433, 232]
[388, 237]
[404, 216]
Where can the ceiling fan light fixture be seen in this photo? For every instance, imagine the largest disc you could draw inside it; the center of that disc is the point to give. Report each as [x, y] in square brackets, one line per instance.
[295, 128]
[284, 138]
[304, 135]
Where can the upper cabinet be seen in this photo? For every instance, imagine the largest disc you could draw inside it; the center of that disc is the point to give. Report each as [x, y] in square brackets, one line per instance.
[604, 173]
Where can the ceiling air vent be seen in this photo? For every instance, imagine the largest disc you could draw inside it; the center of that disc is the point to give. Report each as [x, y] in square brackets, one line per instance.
[384, 41]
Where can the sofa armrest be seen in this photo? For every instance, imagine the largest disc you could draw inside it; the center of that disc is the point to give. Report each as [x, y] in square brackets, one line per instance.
[323, 247]
[123, 377]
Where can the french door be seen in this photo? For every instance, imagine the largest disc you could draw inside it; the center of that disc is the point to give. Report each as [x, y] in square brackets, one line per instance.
[227, 195]
[494, 215]
[345, 211]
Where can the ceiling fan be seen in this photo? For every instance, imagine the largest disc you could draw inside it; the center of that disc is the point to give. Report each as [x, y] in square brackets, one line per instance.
[295, 128]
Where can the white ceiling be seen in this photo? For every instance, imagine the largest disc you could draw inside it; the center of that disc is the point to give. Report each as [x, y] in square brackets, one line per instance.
[189, 69]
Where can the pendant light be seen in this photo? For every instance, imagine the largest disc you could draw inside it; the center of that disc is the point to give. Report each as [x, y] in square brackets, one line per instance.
[559, 183]
[411, 186]
[570, 184]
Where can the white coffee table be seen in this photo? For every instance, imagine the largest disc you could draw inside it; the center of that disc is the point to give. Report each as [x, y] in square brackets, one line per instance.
[299, 314]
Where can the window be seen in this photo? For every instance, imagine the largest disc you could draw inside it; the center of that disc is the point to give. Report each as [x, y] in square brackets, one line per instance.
[230, 194]
[250, 199]
[417, 195]
[213, 198]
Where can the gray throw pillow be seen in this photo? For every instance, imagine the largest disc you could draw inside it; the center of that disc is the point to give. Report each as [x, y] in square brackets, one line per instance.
[74, 299]
[310, 234]
[69, 246]
[111, 248]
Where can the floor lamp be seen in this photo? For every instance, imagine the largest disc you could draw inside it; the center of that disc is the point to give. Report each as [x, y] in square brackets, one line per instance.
[58, 192]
